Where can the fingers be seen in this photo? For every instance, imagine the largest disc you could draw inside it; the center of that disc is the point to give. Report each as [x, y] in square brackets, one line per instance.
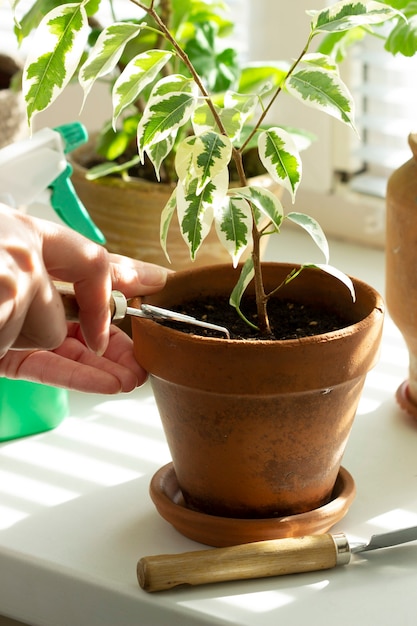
[31, 315]
[136, 278]
[74, 366]
[43, 324]
[71, 257]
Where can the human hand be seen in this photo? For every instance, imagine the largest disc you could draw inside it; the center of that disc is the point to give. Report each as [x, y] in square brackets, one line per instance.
[32, 321]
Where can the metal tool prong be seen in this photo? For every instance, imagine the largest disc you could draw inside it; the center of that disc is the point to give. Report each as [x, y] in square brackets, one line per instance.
[150, 311]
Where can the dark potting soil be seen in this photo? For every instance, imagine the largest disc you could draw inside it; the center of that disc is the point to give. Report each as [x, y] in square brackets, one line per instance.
[289, 320]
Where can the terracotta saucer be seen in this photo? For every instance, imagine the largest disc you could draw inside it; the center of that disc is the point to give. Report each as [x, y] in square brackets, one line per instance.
[224, 531]
[403, 398]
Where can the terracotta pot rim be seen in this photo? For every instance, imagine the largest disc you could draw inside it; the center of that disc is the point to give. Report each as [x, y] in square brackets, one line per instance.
[355, 348]
[335, 335]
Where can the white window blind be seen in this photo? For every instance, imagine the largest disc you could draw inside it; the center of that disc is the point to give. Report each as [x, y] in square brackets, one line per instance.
[387, 97]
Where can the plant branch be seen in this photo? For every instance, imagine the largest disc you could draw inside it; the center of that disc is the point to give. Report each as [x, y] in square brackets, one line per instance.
[276, 94]
[184, 58]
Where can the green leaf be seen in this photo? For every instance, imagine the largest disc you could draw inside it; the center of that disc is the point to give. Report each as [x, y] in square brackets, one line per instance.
[195, 215]
[138, 73]
[337, 45]
[54, 56]
[264, 200]
[110, 167]
[333, 271]
[106, 53]
[159, 151]
[321, 60]
[280, 157]
[313, 228]
[166, 217]
[195, 211]
[348, 14]
[202, 158]
[111, 144]
[234, 113]
[323, 90]
[218, 69]
[233, 222]
[255, 76]
[170, 106]
[246, 276]
[211, 155]
[184, 158]
[403, 37]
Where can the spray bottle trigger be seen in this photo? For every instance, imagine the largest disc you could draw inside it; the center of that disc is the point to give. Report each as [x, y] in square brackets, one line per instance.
[68, 206]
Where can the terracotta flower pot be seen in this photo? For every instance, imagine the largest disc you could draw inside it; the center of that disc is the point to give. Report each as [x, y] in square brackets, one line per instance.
[401, 263]
[129, 212]
[257, 429]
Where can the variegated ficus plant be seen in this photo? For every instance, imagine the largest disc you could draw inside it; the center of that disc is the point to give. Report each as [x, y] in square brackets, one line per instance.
[206, 128]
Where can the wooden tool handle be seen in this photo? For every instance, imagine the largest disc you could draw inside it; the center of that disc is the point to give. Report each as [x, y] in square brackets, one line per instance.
[253, 560]
[66, 291]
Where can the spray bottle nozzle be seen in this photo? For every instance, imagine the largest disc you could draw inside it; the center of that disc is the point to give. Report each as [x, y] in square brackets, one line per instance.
[30, 167]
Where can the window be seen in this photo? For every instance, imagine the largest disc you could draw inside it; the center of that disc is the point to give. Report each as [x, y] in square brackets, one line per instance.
[388, 96]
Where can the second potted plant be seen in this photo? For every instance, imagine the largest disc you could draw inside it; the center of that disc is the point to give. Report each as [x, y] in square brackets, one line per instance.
[284, 481]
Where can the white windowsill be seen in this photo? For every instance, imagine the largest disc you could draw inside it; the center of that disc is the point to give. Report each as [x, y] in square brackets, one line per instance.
[72, 559]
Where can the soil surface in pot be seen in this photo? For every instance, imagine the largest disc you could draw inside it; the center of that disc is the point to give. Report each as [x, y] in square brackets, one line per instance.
[289, 320]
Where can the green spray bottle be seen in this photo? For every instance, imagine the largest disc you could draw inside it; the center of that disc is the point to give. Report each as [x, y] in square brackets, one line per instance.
[27, 408]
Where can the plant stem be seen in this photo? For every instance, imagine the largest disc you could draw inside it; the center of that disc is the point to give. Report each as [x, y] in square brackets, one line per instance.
[261, 296]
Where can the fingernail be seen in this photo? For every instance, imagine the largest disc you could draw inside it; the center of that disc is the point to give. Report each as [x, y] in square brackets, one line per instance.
[154, 276]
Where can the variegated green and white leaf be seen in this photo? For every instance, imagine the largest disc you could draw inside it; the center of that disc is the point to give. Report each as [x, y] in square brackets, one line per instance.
[202, 158]
[54, 56]
[106, 53]
[321, 60]
[236, 110]
[195, 212]
[203, 120]
[263, 200]
[110, 167]
[170, 106]
[138, 73]
[195, 216]
[280, 157]
[184, 158]
[313, 228]
[211, 156]
[246, 276]
[244, 103]
[159, 151]
[333, 271]
[166, 217]
[348, 14]
[323, 90]
[233, 221]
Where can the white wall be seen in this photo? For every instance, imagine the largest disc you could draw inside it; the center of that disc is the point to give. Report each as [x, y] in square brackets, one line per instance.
[279, 30]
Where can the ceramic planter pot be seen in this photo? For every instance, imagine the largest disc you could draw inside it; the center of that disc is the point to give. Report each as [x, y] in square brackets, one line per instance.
[401, 262]
[128, 213]
[257, 429]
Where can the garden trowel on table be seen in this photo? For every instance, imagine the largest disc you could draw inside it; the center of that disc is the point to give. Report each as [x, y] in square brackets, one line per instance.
[261, 559]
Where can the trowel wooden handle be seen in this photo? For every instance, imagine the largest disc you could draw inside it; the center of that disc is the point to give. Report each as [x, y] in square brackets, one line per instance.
[252, 560]
[66, 291]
